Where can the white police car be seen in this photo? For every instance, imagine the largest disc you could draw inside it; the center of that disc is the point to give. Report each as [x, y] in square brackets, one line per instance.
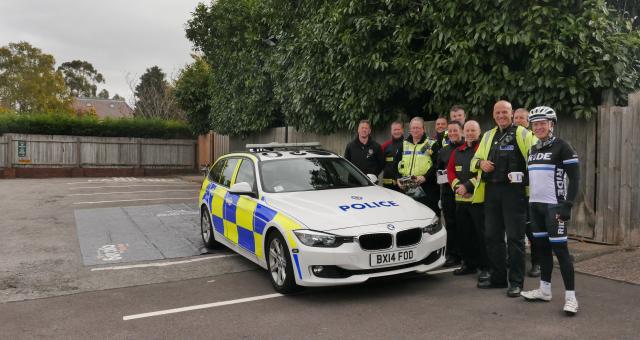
[311, 218]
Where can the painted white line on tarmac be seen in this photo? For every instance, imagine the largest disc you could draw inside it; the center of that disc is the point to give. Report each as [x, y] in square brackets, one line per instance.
[139, 185]
[196, 307]
[161, 264]
[140, 199]
[127, 180]
[441, 271]
[131, 192]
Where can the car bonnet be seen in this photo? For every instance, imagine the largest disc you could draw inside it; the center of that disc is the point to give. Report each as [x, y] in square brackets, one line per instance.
[326, 210]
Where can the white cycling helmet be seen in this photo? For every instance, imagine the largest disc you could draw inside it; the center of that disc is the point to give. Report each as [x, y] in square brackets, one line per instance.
[542, 113]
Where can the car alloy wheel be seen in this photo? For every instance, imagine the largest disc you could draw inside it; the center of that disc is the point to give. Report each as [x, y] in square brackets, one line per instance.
[280, 265]
[277, 262]
[206, 230]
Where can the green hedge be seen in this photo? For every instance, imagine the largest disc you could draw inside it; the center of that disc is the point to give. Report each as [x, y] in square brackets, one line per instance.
[65, 124]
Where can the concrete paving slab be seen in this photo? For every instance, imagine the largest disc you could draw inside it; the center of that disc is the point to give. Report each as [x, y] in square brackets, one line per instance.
[138, 233]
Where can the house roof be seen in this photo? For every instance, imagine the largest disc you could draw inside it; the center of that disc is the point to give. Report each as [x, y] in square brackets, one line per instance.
[104, 107]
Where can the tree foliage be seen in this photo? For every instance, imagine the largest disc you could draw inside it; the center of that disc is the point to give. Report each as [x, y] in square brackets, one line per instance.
[88, 124]
[29, 81]
[104, 94]
[324, 65]
[81, 78]
[154, 97]
[192, 94]
[231, 34]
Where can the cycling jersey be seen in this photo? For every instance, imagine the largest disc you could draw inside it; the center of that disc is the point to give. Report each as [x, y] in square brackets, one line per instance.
[548, 164]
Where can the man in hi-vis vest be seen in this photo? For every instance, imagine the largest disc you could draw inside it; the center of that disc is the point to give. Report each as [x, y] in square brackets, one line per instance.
[502, 159]
[415, 166]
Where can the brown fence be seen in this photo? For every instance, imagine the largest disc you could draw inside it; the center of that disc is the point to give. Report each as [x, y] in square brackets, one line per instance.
[608, 146]
[30, 155]
[617, 184]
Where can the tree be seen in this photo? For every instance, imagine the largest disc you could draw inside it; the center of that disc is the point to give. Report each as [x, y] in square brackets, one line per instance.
[154, 96]
[117, 97]
[29, 82]
[104, 94]
[232, 34]
[627, 8]
[81, 78]
[192, 94]
[324, 65]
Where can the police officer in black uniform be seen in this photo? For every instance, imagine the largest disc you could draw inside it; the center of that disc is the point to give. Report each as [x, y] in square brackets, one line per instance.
[447, 197]
[501, 156]
[364, 152]
[390, 149]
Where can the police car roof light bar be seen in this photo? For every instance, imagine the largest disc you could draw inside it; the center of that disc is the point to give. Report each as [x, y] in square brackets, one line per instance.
[282, 146]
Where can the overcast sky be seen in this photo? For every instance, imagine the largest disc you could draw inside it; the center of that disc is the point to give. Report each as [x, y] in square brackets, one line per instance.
[118, 37]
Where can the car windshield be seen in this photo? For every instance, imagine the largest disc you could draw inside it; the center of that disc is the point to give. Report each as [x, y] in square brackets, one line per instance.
[307, 174]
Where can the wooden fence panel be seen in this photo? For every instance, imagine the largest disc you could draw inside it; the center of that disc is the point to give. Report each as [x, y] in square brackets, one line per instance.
[108, 152]
[580, 133]
[3, 150]
[163, 153]
[44, 151]
[220, 146]
[632, 234]
[47, 151]
[625, 150]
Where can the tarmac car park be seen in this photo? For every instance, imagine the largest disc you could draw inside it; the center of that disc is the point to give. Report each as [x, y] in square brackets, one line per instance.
[311, 218]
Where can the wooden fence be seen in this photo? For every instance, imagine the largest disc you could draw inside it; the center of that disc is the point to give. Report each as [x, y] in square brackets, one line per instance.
[608, 146]
[617, 184]
[48, 151]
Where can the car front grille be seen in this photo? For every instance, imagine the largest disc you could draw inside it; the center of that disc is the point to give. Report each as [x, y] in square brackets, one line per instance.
[409, 237]
[376, 241]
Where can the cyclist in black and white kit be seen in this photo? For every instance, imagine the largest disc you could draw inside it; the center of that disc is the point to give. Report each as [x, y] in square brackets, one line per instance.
[550, 162]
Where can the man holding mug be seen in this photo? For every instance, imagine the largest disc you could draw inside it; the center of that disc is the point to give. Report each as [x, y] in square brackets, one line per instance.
[502, 159]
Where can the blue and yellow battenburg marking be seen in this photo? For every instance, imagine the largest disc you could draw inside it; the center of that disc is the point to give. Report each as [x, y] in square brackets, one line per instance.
[243, 220]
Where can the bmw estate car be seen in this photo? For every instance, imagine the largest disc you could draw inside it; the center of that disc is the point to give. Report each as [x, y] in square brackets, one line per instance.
[311, 218]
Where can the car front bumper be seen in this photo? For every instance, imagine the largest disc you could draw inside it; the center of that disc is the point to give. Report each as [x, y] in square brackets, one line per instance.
[350, 264]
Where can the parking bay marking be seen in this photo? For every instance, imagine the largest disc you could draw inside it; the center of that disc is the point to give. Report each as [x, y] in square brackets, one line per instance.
[131, 192]
[161, 264]
[228, 302]
[139, 185]
[196, 307]
[139, 199]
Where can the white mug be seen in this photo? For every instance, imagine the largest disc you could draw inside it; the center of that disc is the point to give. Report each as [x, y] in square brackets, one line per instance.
[442, 177]
[515, 177]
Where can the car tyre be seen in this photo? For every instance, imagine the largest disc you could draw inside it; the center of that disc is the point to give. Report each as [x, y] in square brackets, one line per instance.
[279, 265]
[206, 230]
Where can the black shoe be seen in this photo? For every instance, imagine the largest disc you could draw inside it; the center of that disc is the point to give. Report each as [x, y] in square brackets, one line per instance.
[535, 271]
[514, 291]
[451, 261]
[489, 285]
[464, 270]
[484, 275]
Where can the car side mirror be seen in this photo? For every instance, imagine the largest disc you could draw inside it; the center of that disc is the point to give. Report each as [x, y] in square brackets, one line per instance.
[242, 188]
[204, 170]
[373, 178]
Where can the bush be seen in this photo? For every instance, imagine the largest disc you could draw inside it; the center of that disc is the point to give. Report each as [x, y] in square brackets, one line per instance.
[65, 124]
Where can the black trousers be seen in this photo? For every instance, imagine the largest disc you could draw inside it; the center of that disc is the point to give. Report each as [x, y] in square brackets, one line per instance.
[449, 212]
[470, 222]
[505, 212]
[550, 237]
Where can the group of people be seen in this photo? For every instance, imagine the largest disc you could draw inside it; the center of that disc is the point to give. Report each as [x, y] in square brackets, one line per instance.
[491, 189]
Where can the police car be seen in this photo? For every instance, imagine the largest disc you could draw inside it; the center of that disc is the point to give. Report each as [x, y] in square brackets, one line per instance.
[311, 218]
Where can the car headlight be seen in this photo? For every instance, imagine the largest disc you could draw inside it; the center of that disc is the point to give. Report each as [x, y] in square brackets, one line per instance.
[314, 238]
[433, 227]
